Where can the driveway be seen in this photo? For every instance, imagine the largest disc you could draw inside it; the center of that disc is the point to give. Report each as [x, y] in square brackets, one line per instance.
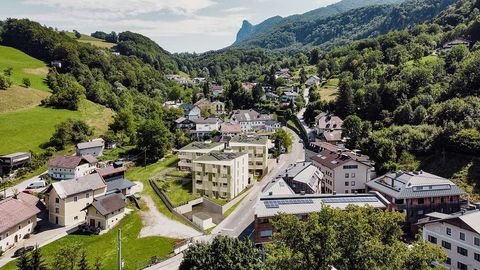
[157, 224]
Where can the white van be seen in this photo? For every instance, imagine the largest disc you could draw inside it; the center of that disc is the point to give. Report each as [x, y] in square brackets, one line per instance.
[37, 185]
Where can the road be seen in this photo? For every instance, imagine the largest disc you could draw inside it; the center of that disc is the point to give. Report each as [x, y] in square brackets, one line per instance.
[243, 216]
[306, 97]
[22, 186]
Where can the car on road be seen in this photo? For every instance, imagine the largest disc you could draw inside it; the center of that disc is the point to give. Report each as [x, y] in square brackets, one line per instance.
[37, 185]
[19, 252]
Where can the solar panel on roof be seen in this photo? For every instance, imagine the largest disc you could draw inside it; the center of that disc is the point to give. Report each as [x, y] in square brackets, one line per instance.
[277, 203]
[349, 200]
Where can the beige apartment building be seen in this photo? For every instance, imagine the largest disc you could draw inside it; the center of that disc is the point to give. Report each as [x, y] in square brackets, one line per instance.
[220, 174]
[195, 150]
[66, 200]
[257, 149]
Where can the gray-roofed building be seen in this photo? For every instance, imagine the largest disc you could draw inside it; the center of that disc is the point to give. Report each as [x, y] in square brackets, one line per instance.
[93, 148]
[304, 177]
[12, 161]
[115, 179]
[459, 236]
[106, 211]
[257, 149]
[66, 199]
[18, 218]
[267, 207]
[329, 127]
[70, 167]
[418, 193]
[195, 150]
[277, 186]
[250, 120]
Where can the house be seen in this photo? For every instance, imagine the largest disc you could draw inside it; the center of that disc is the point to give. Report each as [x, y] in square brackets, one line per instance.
[18, 218]
[343, 172]
[313, 81]
[199, 80]
[304, 178]
[184, 123]
[272, 125]
[459, 236]
[69, 167]
[288, 97]
[329, 127]
[194, 113]
[272, 96]
[456, 42]
[277, 186]
[173, 104]
[418, 193]
[10, 162]
[269, 206]
[205, 126]
[257, 149]
[250, 120]
[106, 211]
[217, 90]
[179, 79]
[218, 107]
[115, 179]
[93, 148]
[220, 174]
[284, 74]
[195, 150]
[65, 200]
[230, 130]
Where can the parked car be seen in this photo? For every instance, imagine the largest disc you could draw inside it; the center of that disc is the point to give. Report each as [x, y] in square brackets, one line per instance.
[37, 185]
[19, 252]
[27, 191]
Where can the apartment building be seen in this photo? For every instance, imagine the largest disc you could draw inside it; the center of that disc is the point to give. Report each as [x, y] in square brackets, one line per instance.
[257, 149]
[304, 177]
[65, 200]
[343, 171]
[220, 174]
[418, 193]
[18, 218]
[459, 236]
[269, 206]
[70, 167]
[195, 150]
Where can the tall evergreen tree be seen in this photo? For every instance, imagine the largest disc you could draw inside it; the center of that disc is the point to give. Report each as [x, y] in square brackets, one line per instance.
[37, 262]
[23, 262]
[83, 262]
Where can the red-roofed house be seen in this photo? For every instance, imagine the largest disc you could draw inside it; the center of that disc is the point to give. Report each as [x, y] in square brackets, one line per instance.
[230, 129]
[18, 217]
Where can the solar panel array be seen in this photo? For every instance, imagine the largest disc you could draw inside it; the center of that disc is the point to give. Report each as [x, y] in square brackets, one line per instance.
[349, 200]
[277, 203]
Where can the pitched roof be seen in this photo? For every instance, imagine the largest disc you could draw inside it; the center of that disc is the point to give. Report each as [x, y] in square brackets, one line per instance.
[331, 159]
[109, 203]
[202, 102]
[109, 170]
[16, 210]
[277, 187]
[70, 162]
[231, 128]
[200, 146]
[328, 121]
[210, 120]
[119, 185]
[249, 116]
[333, 135]
[82, 184]
[355, 154]
[407, 185]
[470, 218]
[91, 144]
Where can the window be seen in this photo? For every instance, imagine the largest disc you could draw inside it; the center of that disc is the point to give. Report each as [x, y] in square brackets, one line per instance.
[462, 236]
[462, 266]
[352, 183]
[57, 210]
[352, 175]
[448, 261]
[347, 175]
[75, 198]
[421, 201]
[446, 245]
[29, 221]
[347, 167]
[432, 239]
[476, 256]
[462, 251]
[476, 241]
[449, 231]
[87, 195]
[346, 183]
[75, 218]
[266, 233]
[57, 200]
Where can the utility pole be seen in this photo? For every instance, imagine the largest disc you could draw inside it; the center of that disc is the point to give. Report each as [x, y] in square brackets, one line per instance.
[120, 261]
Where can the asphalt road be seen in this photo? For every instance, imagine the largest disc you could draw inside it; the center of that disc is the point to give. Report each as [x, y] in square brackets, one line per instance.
[239, 223]
[22, 186]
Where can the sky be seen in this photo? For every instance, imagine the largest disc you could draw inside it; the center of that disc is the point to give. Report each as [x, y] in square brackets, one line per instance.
[176, 25]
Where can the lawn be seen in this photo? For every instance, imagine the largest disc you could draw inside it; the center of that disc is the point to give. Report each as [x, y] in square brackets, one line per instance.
[136, 252]
[24, 66]
[91, 40]
[26, 130]
[113, 154]
[177, 191]
[328, 91]
[19, 97]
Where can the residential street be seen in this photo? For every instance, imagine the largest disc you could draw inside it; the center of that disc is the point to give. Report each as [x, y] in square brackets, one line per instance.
[243, 216]
[22, 186]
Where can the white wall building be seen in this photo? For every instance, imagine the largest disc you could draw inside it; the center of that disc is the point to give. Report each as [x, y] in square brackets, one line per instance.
[94, 148]
[250, 120]
[459, 236]
[69, 167]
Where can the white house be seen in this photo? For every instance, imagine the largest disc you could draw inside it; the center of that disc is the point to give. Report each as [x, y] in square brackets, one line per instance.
[69, 167]
[106, 211]
[459, 236]
[250, 120]
[204, 126]
[194, 113]
[93, 147]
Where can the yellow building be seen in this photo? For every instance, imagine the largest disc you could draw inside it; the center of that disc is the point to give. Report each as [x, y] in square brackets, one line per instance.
[257, 149]
[195, 150]
[106, 211]
[220, 174]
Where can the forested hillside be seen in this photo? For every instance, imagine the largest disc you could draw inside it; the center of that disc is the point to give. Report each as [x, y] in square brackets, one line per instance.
[345, 27]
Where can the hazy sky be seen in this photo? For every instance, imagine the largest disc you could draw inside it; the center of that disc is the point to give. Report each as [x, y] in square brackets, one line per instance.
[176, 25]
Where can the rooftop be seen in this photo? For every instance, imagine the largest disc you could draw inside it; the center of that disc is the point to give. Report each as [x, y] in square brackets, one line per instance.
[71, 187]
[15, 154]
[109, 203]
[249, 115]
[471, 219]
[118, 185]
[406, 185]
[200, 146]
[210, 120]
[219, 156]
[353, 154]
[16, 210]
[331, 159]
[71, 162]
[91, 144]
[258, 140]
[277, 187]
[328, 121]
[269, 206]
[231, 128]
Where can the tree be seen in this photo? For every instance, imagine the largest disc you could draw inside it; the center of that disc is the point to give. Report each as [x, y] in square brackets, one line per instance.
[26, 82]
[5, 82]
[303, 76]
[69, 132]
[66, 257]
[8, 72]
[283, 138]
[257, 93]
[36, 262]
[223, 253]
[23, 262]
[98, 264]
[353, 129]
[419, 115]
[77, 34]
[83, 262]
[154, 138]
[403, 114]
[344, 103]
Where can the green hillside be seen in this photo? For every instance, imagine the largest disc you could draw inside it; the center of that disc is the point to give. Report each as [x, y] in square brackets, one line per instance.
[24, 66]
[91, 40]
